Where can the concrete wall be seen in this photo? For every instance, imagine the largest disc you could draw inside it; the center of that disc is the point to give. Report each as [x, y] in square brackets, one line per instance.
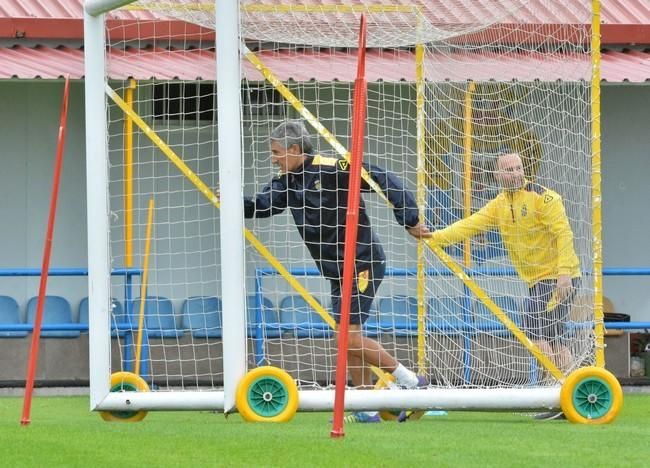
[196, 366]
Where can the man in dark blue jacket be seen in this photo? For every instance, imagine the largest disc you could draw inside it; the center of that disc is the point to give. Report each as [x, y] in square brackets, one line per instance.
[315, 189]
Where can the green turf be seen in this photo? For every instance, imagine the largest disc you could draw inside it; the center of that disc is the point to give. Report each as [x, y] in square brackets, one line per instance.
[64, 433]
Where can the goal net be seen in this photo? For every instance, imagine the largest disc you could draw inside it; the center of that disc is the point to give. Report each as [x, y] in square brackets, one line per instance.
[451, 86]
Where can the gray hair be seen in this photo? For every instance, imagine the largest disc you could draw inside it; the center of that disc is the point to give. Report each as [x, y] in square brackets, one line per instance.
[293, 132]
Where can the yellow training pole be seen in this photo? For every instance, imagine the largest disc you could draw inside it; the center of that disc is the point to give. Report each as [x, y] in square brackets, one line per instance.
[279, 8]
[128, 178]
[143, 286]
[337, 8]
[467, 166]
[421, 199]
[596, 194]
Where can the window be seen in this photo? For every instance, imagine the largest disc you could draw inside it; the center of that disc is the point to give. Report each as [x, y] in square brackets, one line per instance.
[185, 101]
[179, 101]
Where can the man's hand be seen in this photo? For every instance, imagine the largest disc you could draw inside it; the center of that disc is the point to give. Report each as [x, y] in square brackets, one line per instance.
[563, 287]
[419, 231]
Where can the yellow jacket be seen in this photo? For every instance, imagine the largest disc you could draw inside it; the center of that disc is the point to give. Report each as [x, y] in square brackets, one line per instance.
[534, 229]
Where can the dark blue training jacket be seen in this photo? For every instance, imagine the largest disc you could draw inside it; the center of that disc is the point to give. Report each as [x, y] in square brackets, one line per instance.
[317, 194]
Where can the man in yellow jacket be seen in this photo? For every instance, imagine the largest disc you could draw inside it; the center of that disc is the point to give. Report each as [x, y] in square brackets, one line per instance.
[492, 127]
[539, 242]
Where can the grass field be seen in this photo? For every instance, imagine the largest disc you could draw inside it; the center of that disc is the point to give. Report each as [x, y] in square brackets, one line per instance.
[64, 433]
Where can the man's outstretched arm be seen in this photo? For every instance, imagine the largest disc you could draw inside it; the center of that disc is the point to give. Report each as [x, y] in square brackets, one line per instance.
[270, 201]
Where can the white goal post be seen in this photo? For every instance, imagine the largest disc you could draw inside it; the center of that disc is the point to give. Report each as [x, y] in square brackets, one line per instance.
[174, 115]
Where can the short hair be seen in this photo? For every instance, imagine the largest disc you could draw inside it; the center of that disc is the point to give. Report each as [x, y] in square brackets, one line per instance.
[505, 151]
[293, 132]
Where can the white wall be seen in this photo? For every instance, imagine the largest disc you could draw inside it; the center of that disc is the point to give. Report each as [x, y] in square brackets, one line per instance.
[28, 128]
[626, 194]
[29, 121]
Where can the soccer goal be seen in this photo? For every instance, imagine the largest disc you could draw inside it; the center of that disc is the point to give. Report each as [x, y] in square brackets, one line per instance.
[224, 314]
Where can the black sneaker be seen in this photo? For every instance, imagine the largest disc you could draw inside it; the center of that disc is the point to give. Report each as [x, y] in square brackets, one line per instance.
[549, 416]
[409, 415]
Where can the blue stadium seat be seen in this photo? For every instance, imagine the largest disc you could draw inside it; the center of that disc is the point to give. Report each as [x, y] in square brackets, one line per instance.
[449, 314]
[269, 316]
[10, 315]
[56, 310]
[399, 313]
[202, 315]
[117, 315]
[485, 320]
[298, 316]
[159, 317]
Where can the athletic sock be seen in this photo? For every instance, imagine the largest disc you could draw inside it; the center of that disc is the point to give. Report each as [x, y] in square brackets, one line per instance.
[405, 377]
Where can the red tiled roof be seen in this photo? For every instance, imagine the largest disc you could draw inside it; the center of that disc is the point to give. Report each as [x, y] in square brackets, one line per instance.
[55, 9]
[612, 11]
[623, 21]
[142, 64]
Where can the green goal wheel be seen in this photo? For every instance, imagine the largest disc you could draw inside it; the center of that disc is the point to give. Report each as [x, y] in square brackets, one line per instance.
[126, 382]
[591, 395]
[267, 394]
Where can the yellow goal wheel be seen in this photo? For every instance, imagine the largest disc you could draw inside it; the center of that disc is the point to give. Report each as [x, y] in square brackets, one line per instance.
[591, 395]
[267, 394]
[126, 382]
[394, 415]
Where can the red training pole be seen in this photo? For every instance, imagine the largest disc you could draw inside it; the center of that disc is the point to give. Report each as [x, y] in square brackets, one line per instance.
[36, 334]
[351, 225]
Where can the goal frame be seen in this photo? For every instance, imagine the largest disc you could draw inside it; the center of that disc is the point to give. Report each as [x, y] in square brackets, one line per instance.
[234, 347]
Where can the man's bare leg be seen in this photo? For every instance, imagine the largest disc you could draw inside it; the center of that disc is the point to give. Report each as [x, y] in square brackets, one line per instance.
[360, 373]
[369, 351]
[558, 353]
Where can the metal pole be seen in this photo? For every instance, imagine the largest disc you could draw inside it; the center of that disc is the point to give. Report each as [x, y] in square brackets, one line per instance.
[97, 209]
[99, 7]
[232, 205]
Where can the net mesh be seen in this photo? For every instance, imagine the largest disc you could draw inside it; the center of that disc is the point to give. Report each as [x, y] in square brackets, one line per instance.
[495, 74]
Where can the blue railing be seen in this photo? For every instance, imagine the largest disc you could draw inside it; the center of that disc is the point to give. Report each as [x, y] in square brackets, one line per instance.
[258, 325]
[127, 273]
[261, 273]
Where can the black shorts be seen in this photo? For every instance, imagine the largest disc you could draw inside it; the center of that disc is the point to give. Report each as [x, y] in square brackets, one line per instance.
[365, 285]
[540, 324]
